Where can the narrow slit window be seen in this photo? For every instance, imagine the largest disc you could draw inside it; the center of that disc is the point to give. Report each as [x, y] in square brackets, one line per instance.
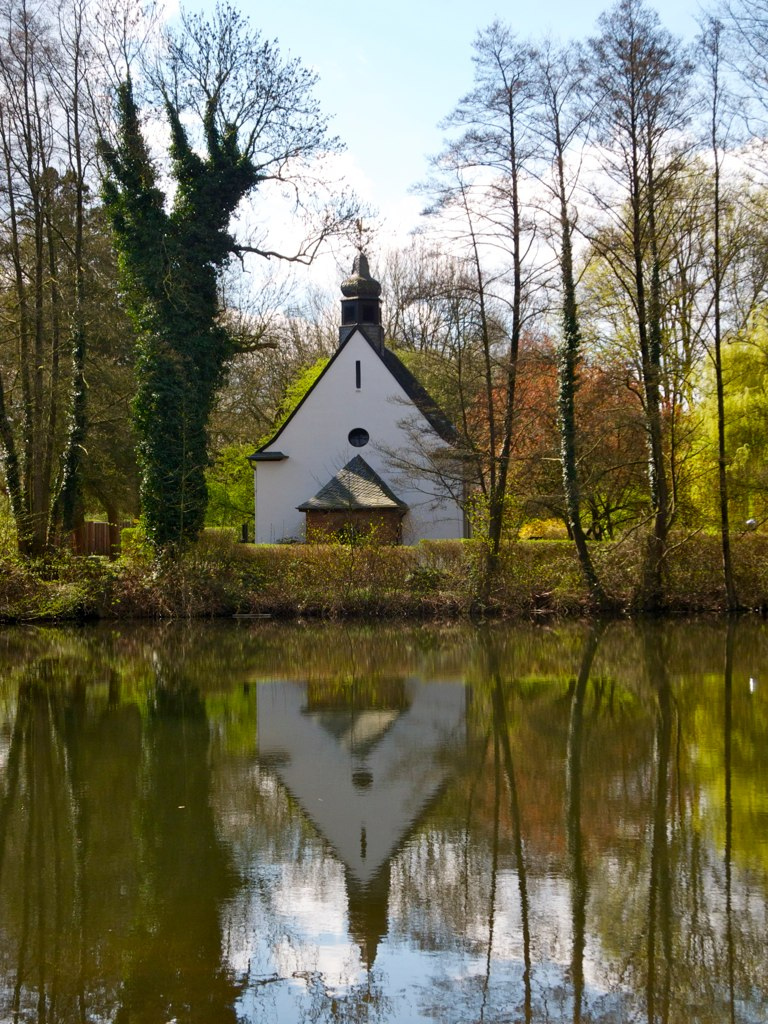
[358, 375]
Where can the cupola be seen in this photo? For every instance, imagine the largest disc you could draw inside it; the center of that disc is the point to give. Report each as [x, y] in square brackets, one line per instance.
[361, 305]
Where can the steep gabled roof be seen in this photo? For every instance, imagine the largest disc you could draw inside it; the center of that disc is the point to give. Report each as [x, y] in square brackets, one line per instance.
[414, 391]
[356, 486]
[420, 397]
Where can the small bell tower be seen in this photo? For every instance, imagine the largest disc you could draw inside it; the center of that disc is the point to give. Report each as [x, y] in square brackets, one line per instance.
[361, 305]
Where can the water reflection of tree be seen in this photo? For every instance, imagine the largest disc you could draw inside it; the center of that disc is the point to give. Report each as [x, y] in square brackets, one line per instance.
[654, 900]
[728, 782]
[578, 869]
[638, 782]
[101, 870]
[686, 954]
[659, 918]
[176, 971]
[501, 734]
[65, 903]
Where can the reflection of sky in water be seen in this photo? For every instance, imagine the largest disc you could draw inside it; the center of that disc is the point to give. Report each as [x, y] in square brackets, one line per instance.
[285, 922]
[318, 961]
[301, 936]
[289, 942]
[139, 846]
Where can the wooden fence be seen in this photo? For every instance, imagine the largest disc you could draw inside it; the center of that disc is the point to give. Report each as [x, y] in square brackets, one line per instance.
[93, 538]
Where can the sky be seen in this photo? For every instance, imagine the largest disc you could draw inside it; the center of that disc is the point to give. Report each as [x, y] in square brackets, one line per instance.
[389, 72]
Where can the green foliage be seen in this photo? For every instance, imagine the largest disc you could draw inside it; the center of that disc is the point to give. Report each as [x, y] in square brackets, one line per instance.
[478, 513]
[543, 529]
[230, 487]
[211, 577]
[745, 374]
[134, 544]
[169, 263]
[425, 579]
[294, 394]
[7, 525]
[745, 368]
[233, 719]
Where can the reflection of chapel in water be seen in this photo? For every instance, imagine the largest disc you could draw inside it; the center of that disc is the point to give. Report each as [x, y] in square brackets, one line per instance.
[364, 761]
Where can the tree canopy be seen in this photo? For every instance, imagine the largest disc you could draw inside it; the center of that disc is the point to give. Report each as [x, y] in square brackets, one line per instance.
[586, 297]
[256, 119]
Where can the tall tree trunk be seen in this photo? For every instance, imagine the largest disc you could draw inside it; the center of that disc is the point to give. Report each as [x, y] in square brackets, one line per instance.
[648, 331]
[569, 353]
[640, 76]
[654, 595]
[513, 349]
[69, 500]
[711, 46]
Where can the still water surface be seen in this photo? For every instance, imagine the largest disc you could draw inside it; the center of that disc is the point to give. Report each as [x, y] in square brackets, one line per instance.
[257, 823]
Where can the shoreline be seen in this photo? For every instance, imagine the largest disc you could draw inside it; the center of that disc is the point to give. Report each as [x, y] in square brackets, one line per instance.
[536, 581]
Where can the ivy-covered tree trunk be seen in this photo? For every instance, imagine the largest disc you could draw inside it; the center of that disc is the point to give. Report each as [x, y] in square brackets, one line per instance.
[170, 261]
[249, 118]
[568, 359]
[561, 71]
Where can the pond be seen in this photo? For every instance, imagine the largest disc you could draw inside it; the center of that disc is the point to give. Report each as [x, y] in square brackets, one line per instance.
[248, 822]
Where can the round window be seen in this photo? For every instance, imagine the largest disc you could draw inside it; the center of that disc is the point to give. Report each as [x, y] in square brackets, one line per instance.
[358, 437]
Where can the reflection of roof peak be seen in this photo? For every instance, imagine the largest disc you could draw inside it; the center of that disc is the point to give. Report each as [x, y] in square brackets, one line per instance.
[365, 806]
[358, 730]
[356, 486]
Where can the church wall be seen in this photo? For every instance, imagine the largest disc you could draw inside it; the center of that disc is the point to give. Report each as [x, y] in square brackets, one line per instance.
[316, 443]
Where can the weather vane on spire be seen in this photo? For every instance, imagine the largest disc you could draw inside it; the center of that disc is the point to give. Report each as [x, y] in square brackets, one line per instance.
[362, 235]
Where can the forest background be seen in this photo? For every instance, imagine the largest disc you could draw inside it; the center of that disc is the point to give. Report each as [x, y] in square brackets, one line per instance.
[585, 298]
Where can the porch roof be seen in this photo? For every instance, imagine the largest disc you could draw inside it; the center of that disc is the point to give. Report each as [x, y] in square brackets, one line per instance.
[356, 486]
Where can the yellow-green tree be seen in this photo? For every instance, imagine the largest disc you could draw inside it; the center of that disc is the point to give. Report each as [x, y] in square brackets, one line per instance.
[745, 375]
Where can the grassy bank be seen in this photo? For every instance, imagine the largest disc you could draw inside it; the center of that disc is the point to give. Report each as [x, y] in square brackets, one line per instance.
[220, 577]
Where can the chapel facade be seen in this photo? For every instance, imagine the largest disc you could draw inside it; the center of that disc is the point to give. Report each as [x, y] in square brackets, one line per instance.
[366, 451]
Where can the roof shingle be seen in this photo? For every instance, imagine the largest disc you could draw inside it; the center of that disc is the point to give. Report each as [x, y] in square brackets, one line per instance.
[356, 486]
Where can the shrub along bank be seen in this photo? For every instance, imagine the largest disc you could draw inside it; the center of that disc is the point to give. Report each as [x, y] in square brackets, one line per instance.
[220, 577]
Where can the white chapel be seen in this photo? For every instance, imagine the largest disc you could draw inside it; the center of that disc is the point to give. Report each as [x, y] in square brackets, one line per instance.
[366, 448]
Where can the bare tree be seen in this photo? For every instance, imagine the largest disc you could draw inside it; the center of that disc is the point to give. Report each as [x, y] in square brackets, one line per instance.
[747, 21]
[561, 82]
[710, 47]
[70, 85]
[43, 58]
[639, 78]
[481, 177]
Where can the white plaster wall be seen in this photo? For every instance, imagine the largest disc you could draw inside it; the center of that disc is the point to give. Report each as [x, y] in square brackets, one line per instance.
[316, 444]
